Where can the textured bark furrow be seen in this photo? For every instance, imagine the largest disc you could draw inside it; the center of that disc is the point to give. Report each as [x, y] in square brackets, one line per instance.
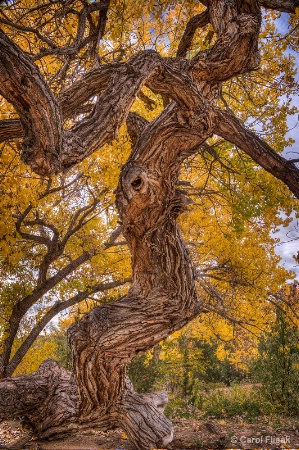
[237, 24]
[111, 109]
[178, 129]
[10, 129]
[92, 83]
[70, 100]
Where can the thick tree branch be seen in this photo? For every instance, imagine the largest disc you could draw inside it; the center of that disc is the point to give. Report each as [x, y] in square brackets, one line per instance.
[89, 85]
[114, 104]
[22, 85]
[70, 100]
[281, 5]
[237, 25]
[231, 129]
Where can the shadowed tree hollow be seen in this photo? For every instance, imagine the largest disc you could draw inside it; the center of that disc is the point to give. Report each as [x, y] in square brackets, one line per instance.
[63, 120]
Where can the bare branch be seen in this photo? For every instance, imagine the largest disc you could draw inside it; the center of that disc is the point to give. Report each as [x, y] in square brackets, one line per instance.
[78, 220]
[30, 30]
[114, 235]
[29, 236]
[101, 26]
[198, 21]
[79, 42]
[50, 190]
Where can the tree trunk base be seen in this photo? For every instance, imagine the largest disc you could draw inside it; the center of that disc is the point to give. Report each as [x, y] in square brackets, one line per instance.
[143, 419]
[47, 402]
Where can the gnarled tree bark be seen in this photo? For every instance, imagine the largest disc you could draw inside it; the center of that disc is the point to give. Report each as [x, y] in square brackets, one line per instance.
[162, 297]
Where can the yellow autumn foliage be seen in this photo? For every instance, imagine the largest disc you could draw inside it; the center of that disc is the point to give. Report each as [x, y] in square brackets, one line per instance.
[235, 205]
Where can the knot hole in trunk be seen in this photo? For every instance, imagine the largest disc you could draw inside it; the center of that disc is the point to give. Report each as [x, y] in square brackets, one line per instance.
[137, 183]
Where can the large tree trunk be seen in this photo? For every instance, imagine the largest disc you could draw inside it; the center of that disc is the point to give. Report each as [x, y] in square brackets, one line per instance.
[162, 297]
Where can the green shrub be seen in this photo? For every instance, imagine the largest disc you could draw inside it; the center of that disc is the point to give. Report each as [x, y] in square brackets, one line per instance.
[182, 407]
[63, 352]
[237, 400]
[277, 366]
[144, 372]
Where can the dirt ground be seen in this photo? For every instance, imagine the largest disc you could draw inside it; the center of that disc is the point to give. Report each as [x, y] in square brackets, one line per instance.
[189, 434]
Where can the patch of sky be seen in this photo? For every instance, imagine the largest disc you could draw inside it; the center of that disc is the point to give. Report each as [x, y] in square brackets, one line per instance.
[288, 246]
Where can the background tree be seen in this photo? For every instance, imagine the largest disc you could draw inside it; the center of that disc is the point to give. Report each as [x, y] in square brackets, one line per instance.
[50, 255]
[70, 74]
[276, 365]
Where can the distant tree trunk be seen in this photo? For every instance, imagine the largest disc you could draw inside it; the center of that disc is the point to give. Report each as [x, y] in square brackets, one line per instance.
[162, 297]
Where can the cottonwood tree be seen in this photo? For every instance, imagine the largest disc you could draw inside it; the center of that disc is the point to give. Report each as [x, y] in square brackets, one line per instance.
[64, 118]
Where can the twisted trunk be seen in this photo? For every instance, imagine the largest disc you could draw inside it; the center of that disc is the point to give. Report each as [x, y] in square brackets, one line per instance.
[162, 299]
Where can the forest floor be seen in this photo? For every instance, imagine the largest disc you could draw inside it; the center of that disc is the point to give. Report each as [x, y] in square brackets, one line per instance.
[189, 434]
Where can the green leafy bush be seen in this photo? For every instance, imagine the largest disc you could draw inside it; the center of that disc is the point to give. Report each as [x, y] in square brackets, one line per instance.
[277, 366]
[145, 371]
[182, 407]
[238, 400]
